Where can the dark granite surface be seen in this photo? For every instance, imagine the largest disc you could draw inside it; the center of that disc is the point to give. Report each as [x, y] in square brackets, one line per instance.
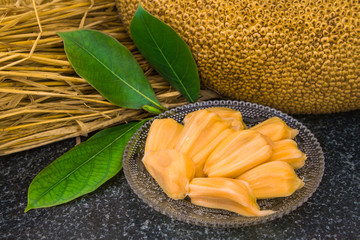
[114, 212]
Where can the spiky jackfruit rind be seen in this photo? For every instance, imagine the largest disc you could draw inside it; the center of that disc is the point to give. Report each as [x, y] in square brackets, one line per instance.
[295, 56]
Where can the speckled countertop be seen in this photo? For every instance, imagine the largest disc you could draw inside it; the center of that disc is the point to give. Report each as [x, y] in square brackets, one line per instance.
[114, 212]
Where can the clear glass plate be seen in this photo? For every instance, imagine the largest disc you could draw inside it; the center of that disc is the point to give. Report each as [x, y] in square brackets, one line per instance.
[148, 190]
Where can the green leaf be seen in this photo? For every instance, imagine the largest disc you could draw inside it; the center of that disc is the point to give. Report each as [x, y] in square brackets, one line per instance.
[151, 109]
[167, 53]
[109, 67]
[82, 169]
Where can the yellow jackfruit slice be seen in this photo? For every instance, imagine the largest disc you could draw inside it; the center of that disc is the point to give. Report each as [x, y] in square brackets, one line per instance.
[276, 129]
[199, 130]
[225, 193]
[172, 170]
[287, 151]
[163, 134]
[237, 153]
[200, 158]
[272, 179]
[233, 117]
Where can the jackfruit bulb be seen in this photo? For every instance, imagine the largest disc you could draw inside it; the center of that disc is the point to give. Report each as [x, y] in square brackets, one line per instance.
[199, 159]
[237, 153]
[163, 134]
[275, 129]
[200, 129]
[219, 163]
[172, 170]
[204, 130]
[295, 56]
[233, 117]
[287, 150]
[272, 179]
[225, 193]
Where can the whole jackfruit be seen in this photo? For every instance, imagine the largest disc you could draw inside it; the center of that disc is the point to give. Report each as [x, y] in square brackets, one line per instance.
[296, 56]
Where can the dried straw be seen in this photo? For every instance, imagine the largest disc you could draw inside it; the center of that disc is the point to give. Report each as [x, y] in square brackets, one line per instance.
[42, 100]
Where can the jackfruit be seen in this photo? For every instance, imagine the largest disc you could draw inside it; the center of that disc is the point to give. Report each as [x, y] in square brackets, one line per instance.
[172, 170]
[272, 179]
[237, 153]
[276, 129]
[225, 193]
[233, 117]
[163, 134]
[199, 130]
[295, 56]
[200, 158]
[287, 151]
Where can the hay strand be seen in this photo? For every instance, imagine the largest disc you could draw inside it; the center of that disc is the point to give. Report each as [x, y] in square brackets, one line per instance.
[42, 100]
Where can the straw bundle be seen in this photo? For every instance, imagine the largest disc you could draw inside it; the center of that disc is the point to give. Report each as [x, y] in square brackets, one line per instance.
[42, 100]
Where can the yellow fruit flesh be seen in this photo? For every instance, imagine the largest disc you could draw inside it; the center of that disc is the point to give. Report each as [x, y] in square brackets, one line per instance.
[287, 151]
[199, 131]
[163, 134]
[272, 179]
[208, 154]
[237, 153]
[225, 193]
[233, 117]
[172, 170]
[200, 158]
[275, 128]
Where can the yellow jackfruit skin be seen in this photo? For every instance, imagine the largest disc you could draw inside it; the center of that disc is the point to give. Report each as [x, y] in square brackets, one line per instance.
[295, 56]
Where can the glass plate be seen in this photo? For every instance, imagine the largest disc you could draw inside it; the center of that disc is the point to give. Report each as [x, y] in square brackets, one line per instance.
[148, 190]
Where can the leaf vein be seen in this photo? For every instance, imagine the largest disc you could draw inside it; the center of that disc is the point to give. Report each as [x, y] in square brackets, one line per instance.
[81, 165]
[163, 55]
[113, 73]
